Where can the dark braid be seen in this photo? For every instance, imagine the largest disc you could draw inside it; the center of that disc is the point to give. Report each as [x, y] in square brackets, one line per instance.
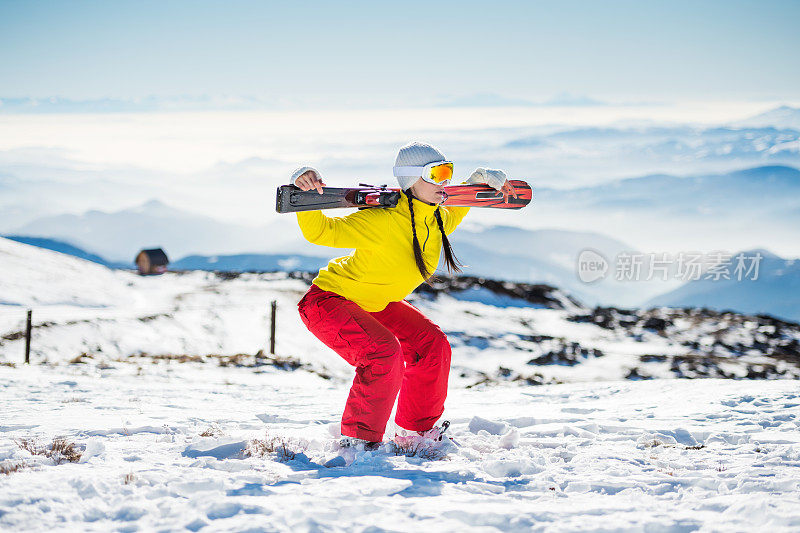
[423, 269]
[450, 259]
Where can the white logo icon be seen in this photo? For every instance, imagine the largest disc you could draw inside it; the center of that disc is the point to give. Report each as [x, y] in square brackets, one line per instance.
[591, 266]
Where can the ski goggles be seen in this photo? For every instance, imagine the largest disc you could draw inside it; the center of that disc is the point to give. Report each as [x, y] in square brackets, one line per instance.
[439, 173]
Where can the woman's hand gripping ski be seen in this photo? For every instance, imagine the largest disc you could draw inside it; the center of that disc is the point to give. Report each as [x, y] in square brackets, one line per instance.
[496, 179]
[308, 178]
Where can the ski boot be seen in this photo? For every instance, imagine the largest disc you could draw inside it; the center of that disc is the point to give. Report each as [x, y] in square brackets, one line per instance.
[353, 442]
[408, 438]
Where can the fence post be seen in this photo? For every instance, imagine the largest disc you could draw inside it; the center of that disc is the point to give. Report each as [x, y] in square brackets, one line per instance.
[28, 338]
[272, 328]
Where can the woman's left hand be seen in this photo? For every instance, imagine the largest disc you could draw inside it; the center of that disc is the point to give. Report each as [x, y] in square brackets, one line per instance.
[496, 179]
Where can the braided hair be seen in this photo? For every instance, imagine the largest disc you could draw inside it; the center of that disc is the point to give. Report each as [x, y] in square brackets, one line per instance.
[453, 264]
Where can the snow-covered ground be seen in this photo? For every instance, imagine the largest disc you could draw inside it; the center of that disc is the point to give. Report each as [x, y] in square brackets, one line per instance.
[675, 455]
[159, 392]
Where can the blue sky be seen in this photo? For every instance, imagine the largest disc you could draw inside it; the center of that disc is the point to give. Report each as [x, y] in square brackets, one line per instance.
[342, 54]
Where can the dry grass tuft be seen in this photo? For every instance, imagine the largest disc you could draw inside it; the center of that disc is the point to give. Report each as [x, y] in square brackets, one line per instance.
[29, 445]
[8, 364]
[418, 450]
[80, 358]
[268, 446]
[655, 443]
[9, 467]
[74, 399]
[60, 450]
[213, 431]
[239, 359]
[129, 478]
[161, 358]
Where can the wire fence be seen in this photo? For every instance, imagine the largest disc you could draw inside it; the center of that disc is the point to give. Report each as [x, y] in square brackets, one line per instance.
[14, 318]
[26, 324]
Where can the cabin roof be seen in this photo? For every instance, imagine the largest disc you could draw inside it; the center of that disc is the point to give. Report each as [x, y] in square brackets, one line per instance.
[157, 256]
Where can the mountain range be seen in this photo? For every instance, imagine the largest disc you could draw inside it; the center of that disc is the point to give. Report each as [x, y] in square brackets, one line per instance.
[745, 209]
[119, 235]
[755, 207]
[774, 289]
[497, 100]
[780, 117]
[687, 148]
[543, 256]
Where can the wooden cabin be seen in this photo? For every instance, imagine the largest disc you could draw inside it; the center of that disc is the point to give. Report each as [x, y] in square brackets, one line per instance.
[152, 262]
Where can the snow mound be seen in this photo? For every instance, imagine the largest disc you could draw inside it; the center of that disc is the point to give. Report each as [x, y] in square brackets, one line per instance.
[478, 424]
[219, 448]
[33, 277]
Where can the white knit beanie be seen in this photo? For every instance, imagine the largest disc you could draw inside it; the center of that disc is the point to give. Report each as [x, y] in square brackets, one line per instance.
[416, 154]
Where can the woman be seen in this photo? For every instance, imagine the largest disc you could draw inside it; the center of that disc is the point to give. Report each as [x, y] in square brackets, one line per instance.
[356, 304]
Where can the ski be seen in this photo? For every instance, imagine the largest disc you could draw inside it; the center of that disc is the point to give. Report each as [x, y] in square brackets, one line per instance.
[291, 199]
[485, 196]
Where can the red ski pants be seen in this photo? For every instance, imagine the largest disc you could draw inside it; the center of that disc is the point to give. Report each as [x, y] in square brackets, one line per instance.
[396, 349]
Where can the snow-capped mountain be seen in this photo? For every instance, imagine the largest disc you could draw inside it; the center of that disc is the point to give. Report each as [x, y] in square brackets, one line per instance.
[120, 235]
[776, 291]
[781, 117]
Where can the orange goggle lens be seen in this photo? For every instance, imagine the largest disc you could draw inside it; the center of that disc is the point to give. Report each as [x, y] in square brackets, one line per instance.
[441, 173]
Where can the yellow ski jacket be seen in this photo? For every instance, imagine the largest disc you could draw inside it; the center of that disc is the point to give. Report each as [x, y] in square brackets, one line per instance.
[381, 268]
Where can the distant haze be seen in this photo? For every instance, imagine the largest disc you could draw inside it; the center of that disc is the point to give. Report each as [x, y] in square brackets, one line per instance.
[226, 166]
